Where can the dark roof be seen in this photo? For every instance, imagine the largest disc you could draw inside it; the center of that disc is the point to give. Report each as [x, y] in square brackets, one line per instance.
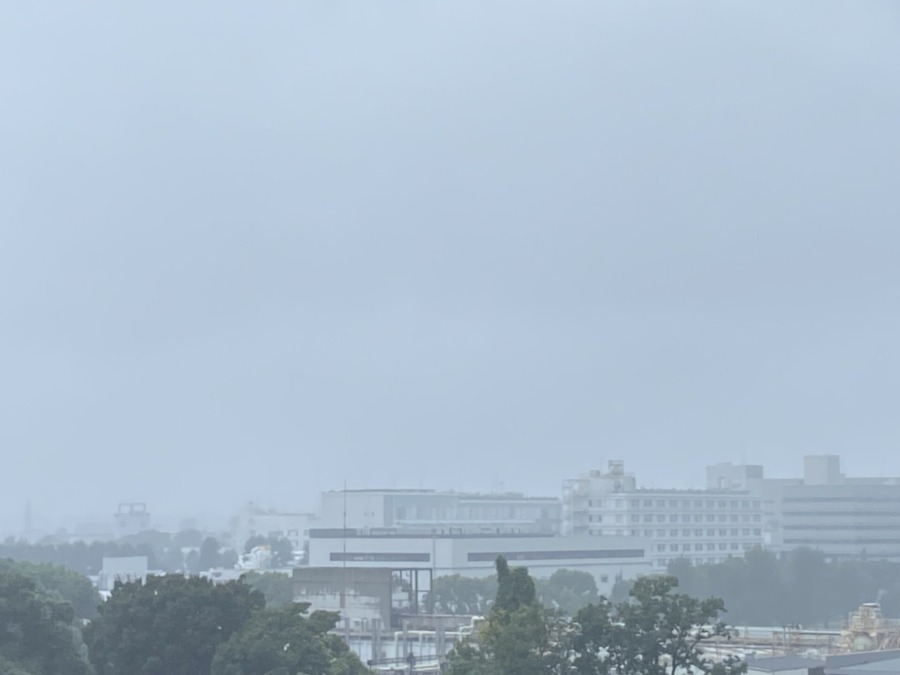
[775, 664]
[860, 658]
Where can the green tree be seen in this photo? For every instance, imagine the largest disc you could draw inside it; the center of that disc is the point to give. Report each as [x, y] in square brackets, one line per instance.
[170, 625]
[662, 632]
[515, 587]
[209, 556]
[567, 590]
[285, 641]
[38, 636]
[456, 594]
[71, 587]
[590, 642]
[519, 636]
[278, 588]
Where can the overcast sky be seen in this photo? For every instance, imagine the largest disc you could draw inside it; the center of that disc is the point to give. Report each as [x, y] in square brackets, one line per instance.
[252, 250]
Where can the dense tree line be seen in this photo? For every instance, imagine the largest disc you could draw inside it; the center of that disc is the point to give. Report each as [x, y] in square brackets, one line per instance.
[656, 631]
[565, 590]
[59, 583]
[39, 633]
[187, 551]
[801, 587]
[169, 625]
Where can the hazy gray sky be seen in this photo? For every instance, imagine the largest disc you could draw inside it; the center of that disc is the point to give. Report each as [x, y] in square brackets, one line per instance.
[250, 250]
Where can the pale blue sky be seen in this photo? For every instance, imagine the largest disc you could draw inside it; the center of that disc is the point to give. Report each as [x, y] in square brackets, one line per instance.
[251, 250]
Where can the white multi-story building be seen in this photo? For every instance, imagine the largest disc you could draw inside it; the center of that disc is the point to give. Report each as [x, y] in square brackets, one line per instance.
[843, 517]
[252, 521]
[435, 512]
[704, 526]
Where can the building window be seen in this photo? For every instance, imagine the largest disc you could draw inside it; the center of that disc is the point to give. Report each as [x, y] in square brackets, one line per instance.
[648, 518]
[673, 533]
[661, 547]
[710, 547]
[698, 547]
[723, 546]
[685, 518]
[673, 503]
[673, 547]
[673, 518]
[685, 533]
[685, 547]
[734, 518]
[745, 504]
[698, 533]
[698, 503]
[698, 518]
[757, 531]
[734, 546]
[757, 518]
[723, 533]
[710, 533]
[660, 518]
[648, 503]
[734, 532]
[660, 533]
[746, 532]
[648, 533]
[710, 518]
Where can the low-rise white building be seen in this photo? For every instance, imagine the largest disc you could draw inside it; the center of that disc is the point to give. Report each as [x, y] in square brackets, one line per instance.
[609, 559]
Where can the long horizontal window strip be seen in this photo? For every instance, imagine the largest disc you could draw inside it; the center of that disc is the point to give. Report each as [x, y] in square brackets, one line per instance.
[895, 499]
[557, 555]
[843, 514]
[380, 557]
[845, 526]
[811, 541]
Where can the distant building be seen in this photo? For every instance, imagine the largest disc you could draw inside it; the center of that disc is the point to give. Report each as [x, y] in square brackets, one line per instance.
[131, 518]
[121, 569]
[252, 521]
[609, 559]
[843, 517]
[704, 526]
[431, 511]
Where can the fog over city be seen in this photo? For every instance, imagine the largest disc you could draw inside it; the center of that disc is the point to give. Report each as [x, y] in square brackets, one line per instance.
[250, 251]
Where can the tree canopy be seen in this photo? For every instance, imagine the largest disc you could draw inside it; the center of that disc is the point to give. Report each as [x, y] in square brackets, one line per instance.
[39, 636]
[284, 641]
[170, 625]
[67, 585]
[655, 631]
[800, 587]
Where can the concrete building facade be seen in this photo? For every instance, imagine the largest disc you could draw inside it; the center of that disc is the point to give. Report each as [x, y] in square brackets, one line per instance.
[704, 526]
[432, 511]
[252, 521]
[608, 560]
